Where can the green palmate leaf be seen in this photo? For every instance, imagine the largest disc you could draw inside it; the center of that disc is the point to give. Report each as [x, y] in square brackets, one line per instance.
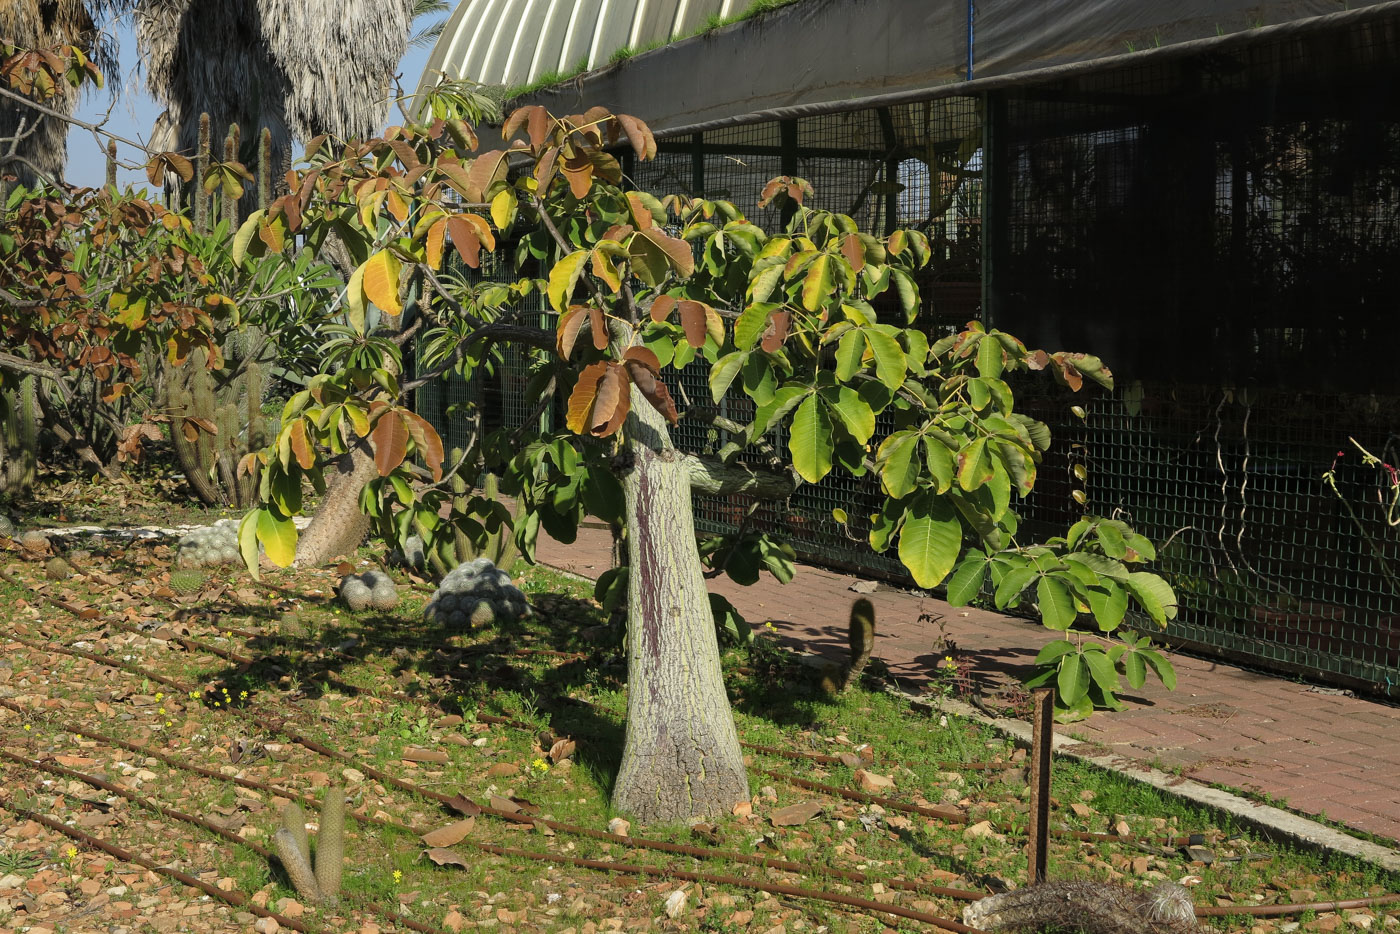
[1056, 605]
[930, 540]
[966, 582]
[819, 283]
[852, 410]
[563, 277]
[1016, 580]
[278, 536]
[1102, 671]
[849, 353]
[1073, 680]
[940, 463]
[726, 368]
[899, 469]
[1112, 540]
[907, 291]
[1161, 666]
[783, 401]
[1109, 602]
[246, 238]
[248, 542]
[1099, 565]
[974, 467]
[1154, 595]
[1054, 650]
[355, 300]
[762, 286]
[891, 366]
[751, 324]
[989, 358]
[810, 440]
[1000, 488]
[1135, 669]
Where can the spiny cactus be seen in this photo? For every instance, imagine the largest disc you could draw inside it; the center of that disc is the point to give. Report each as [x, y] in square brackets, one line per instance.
[19, 432]
[370, 589]
[321, 886]
[330, 844]
[188, 580]
[499, 547]
[198, 398]
[290, 626]
[56, 569]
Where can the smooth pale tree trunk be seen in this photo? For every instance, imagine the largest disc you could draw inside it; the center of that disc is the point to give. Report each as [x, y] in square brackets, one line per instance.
[339, 526]
[682, 757]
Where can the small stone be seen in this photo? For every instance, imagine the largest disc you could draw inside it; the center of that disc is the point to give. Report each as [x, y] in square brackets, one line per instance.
[1122, 829]
[675, 904]
[352, 775]
[619, 827]
[979, 829]
[11, 881]
[454, 920]
[1140, 865]
[872, 782]
[1081, 810]
[1200, 854]
[318, 779]
[290, 907]
[267, 926]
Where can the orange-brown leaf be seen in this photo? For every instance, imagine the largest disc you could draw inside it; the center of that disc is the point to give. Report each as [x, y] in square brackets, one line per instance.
[434, 242]
[639, 211]
[427, 440]
[693, 320]
[539, 126]
[599, 327]
[854, 251]
[778, 324]
[613, 401]
[581, 399]
[465, 239]
[486, 168]
[644, 375]
[661, 308]
[301, 445]
[639, 135]
[451, 834]
[567, 332]
[390, 439]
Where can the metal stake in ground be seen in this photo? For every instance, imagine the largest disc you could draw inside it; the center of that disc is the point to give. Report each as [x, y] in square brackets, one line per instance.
[1042, 731]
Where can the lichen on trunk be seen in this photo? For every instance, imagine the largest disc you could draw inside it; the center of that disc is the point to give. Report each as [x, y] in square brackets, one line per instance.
[682, 757]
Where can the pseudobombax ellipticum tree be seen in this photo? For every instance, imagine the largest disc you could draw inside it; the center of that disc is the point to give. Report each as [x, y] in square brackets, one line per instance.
[812, 323]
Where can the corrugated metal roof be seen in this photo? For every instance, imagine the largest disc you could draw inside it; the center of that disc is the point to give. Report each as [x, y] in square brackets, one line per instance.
[514, 42]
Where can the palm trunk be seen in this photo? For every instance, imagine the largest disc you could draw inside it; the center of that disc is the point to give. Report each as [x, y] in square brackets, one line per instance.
[682, 757]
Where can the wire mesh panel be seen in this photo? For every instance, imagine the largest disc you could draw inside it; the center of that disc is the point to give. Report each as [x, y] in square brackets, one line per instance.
[1224, 232]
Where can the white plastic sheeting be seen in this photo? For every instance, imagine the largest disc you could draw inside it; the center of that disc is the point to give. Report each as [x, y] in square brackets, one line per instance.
[514, 42]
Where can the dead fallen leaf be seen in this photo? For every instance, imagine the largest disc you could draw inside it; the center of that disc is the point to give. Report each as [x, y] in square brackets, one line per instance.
[464, 805]
[451, 834]
[445, 857]
[502, 769]
[873, 782]
[619, 827]
[795, 814]
[419, 754]
[561, 750]
[851, 760]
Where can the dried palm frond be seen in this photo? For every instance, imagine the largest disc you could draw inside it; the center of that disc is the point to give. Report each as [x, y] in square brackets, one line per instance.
[340, 60]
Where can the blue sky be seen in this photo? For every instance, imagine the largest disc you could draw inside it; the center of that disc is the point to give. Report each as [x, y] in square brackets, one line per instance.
[134, 113]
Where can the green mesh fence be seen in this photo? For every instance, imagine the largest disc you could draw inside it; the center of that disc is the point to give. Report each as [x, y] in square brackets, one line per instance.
[1225, 232]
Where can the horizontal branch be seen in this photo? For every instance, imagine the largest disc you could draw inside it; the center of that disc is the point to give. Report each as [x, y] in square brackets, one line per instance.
[711, 478]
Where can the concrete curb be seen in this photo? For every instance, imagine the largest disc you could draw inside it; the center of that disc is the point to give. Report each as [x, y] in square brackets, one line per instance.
[1271, 821]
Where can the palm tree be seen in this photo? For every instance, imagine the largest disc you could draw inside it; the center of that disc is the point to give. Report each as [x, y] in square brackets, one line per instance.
[428, 35]
[32, 144]
[296, 67]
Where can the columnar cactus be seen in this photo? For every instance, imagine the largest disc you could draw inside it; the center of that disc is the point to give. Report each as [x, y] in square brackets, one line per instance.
[320, 886]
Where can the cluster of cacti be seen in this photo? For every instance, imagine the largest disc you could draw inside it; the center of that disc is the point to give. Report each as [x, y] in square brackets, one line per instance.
[476, 594]
[412, 556]
[499, 547]
[210, 546]
[230, 399]
[861, 638]
[197, 398]
[370, 589]
[7, 528]
[19, 434]
[321, 886]
[188, 580]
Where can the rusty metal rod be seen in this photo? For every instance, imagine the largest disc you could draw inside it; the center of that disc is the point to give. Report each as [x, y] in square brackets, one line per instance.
[236, 899]
[1042, 732]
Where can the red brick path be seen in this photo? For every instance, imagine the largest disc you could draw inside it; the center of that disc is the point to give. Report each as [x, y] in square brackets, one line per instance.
[1321, 753]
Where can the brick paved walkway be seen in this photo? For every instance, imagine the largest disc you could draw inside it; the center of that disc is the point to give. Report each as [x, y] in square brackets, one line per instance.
[1321, 753]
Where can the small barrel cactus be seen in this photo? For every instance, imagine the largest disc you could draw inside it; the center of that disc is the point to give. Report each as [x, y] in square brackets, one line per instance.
[188, 580]
[56, 569]
[210, 546]
[370, 589]
[476, 594]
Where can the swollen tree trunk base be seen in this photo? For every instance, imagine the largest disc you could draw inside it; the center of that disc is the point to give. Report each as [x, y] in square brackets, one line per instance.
[338, 527]
[682, 757]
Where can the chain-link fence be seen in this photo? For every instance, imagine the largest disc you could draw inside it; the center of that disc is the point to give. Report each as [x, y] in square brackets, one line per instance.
[1224, 230]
